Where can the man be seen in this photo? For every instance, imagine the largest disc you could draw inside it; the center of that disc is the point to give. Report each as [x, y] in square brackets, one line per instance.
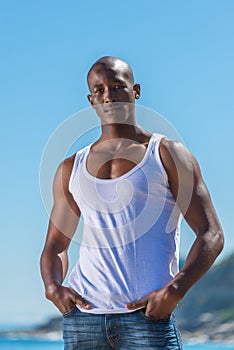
[131, 187]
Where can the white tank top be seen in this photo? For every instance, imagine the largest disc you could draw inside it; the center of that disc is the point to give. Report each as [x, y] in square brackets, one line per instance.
[131, 232]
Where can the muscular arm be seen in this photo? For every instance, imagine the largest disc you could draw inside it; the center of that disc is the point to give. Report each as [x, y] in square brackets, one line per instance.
[64, 219]
[193, 199]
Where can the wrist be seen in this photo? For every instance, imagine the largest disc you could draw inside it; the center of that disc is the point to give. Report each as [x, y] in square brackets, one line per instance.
[179, 286]
[175, 291]
[51, 288]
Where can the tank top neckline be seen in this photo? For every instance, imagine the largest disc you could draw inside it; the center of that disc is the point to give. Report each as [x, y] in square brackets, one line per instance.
[128, 173]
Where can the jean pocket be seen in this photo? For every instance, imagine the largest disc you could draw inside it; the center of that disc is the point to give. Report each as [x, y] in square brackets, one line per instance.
[70, 312]
[160, 321]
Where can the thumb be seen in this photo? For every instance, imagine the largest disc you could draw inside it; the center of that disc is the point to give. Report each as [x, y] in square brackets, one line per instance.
[137, 304]
[79, 300]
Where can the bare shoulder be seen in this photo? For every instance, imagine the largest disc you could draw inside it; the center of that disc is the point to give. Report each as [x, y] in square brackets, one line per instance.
[63, 173]
[67, 165]
[65, 211]
[175, 157]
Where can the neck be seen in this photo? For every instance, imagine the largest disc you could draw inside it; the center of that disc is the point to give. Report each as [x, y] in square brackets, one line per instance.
[113, 131]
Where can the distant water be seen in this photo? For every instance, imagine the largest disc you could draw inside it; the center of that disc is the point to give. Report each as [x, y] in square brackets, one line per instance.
[19, 344]
[6, 344]
[208, 347]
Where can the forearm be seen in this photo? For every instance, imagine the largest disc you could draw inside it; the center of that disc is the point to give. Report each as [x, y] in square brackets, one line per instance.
[202, 255]
[53, 268]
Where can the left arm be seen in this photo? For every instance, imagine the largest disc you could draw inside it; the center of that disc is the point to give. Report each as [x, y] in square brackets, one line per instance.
[193, 199]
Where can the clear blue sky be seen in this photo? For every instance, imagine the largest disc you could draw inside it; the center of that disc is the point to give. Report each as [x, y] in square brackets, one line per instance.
[182, 53]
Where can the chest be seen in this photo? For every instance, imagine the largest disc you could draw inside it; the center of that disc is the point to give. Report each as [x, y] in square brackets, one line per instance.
[106, 164]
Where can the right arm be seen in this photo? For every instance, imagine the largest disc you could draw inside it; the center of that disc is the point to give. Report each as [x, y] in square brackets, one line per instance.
[63, 222]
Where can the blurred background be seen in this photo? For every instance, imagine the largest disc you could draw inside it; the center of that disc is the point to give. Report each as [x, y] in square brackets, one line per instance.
[181, 52]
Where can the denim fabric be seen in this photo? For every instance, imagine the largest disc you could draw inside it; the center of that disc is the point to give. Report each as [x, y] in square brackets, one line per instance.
[119, 331]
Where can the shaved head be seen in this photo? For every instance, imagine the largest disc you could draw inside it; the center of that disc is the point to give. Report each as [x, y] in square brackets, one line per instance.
[108, 63]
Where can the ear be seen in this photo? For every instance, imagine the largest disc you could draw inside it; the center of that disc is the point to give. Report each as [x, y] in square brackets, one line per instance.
[137, 90]
[90, 99]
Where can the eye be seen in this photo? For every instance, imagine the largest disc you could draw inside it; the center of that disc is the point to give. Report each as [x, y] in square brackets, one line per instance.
[118, 87]
[99, 91]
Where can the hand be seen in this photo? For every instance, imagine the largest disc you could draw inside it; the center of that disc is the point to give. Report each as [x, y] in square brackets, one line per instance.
[65, 299]
[159, 304]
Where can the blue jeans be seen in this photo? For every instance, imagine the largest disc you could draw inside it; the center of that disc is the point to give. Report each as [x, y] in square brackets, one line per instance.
[119, 331]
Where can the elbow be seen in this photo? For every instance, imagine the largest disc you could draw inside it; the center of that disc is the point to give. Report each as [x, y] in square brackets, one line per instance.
[220, 240]
[216, 240]
[41, 261]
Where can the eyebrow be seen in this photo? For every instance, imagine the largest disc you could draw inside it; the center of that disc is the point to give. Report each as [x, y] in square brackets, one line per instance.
[114, 81]
[119, 81]
[97, 86]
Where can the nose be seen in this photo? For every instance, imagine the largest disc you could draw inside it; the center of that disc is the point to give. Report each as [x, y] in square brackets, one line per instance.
[109, 96]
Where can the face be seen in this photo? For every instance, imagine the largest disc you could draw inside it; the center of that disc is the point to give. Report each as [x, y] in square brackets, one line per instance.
[112, 92]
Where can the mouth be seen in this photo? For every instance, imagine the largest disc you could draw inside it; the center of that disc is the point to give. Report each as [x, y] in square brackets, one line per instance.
[112, 108]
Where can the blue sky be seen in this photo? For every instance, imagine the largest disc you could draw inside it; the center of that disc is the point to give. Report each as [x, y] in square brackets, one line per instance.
[181, 52]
